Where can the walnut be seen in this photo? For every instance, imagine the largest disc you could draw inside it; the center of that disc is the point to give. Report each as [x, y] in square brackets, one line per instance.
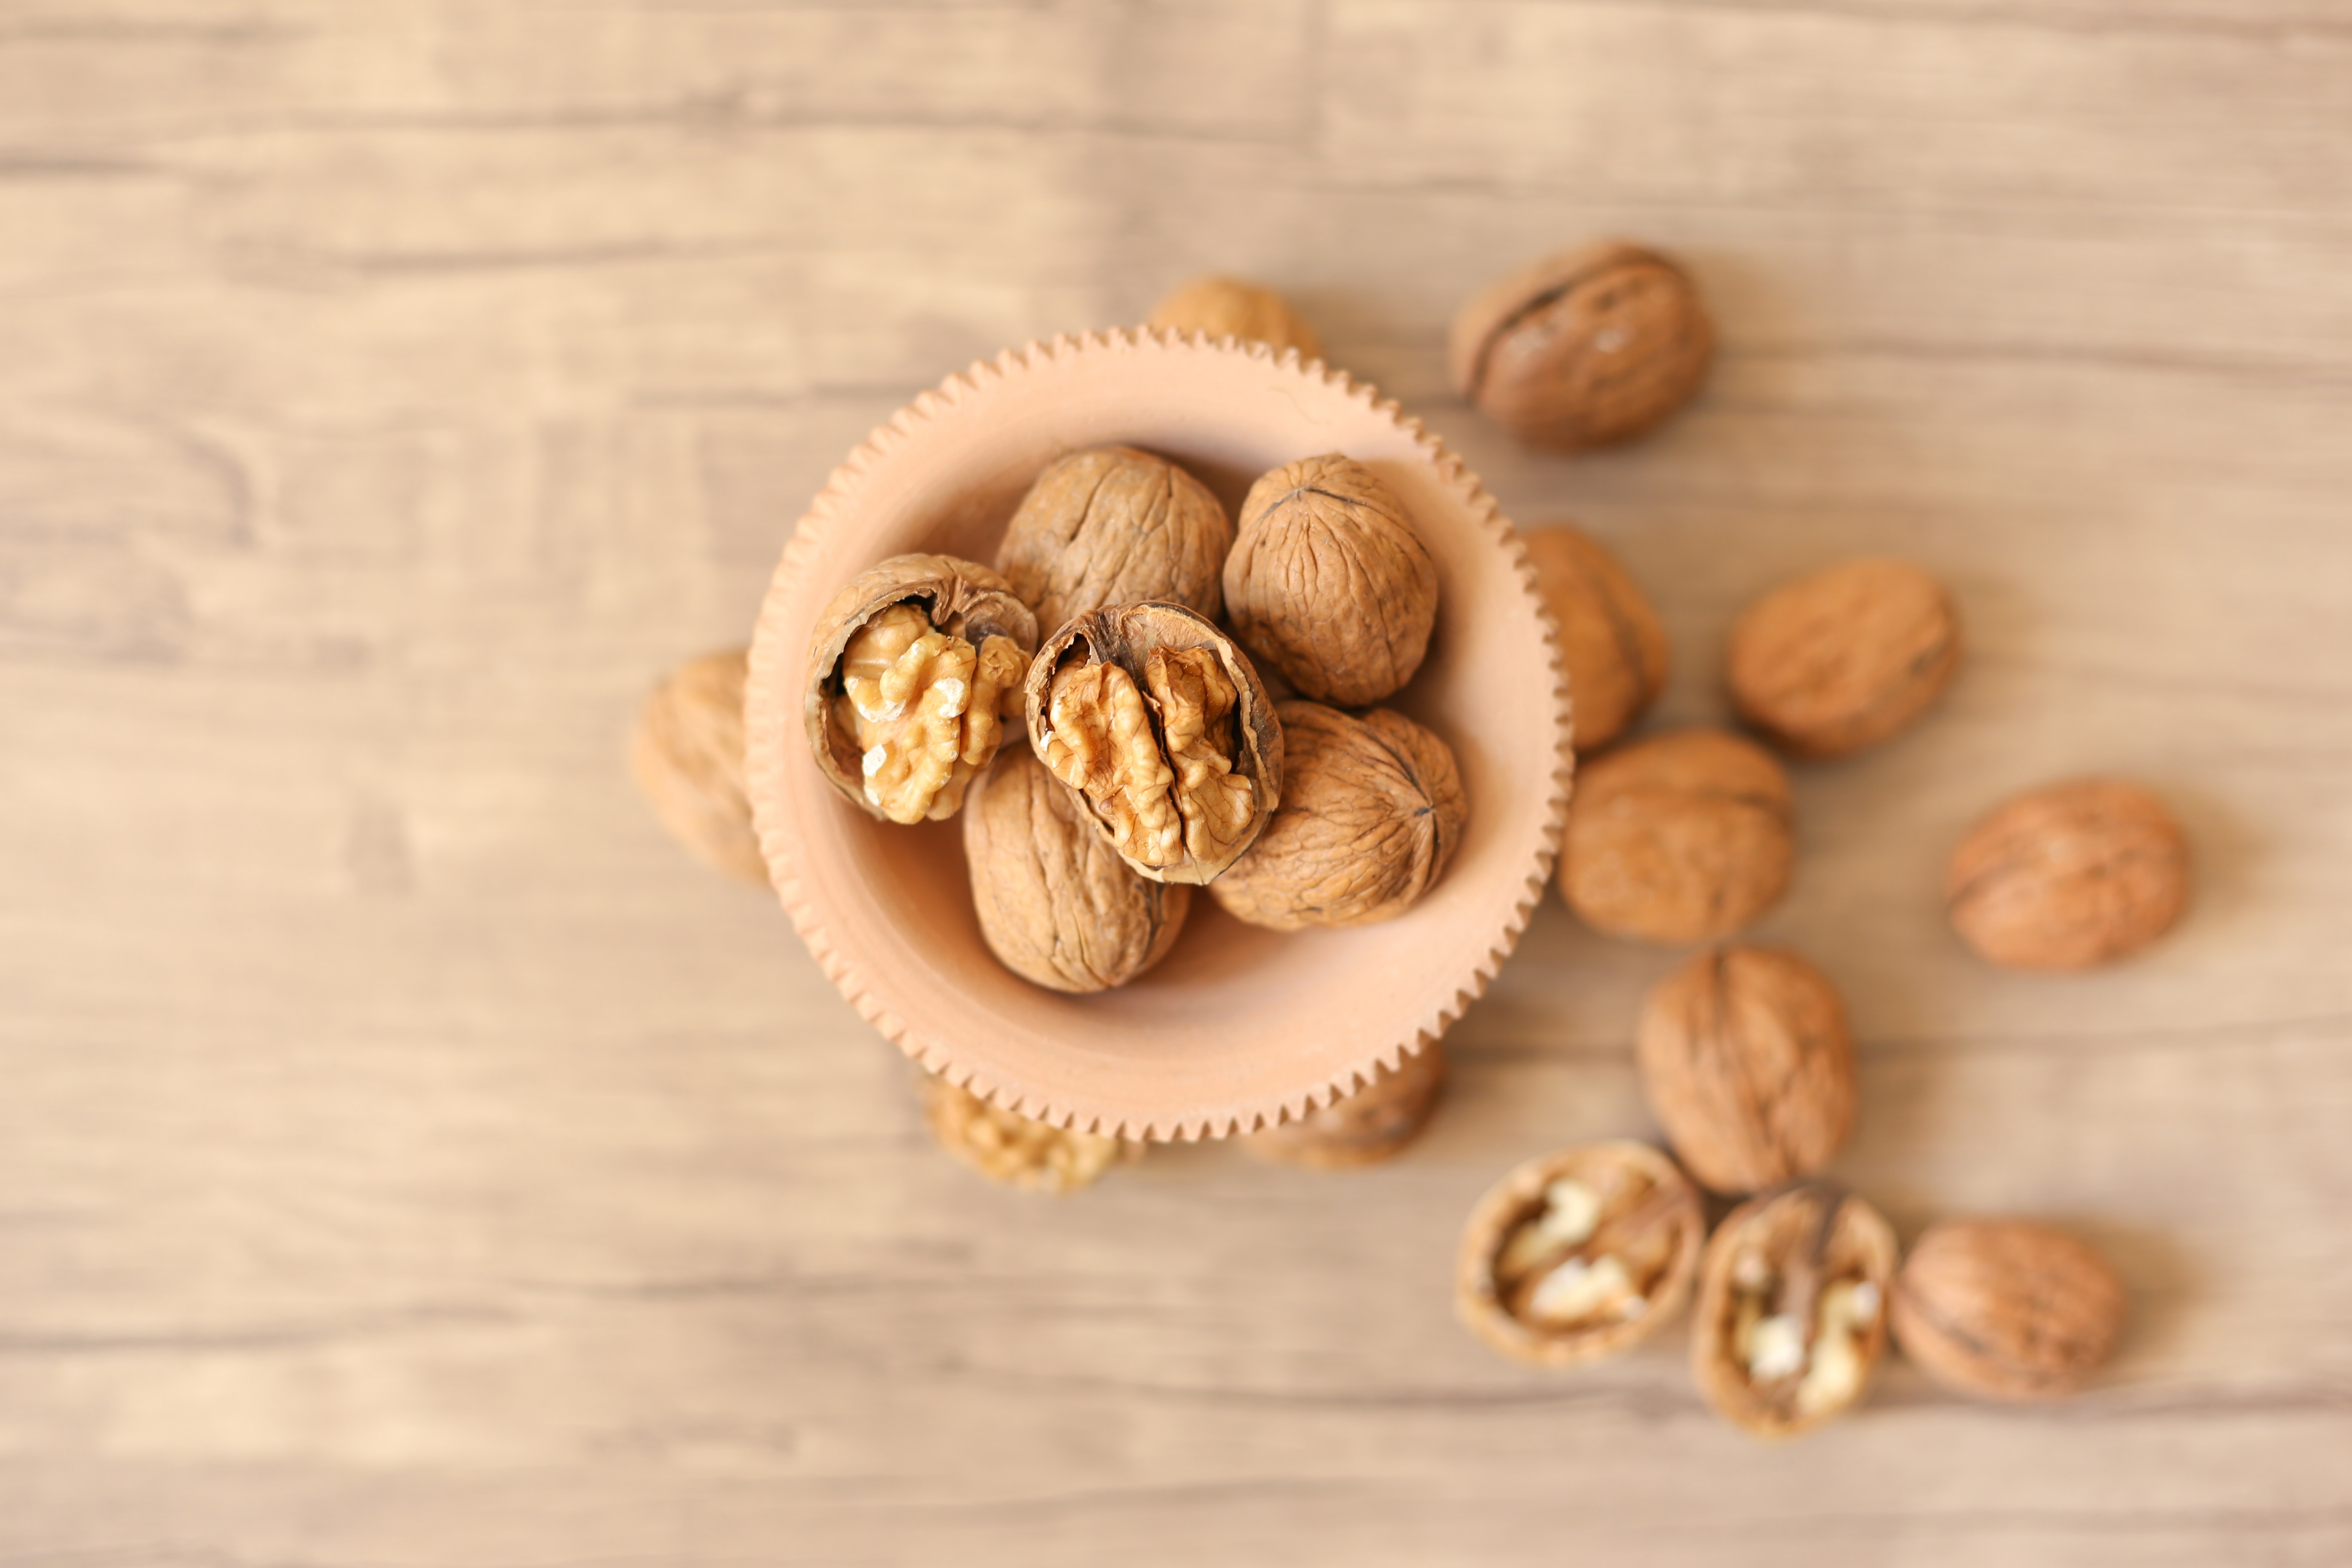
[1008, 1147]
[2006, 1308]
[913, 670]
[1745, 1060]
[1111, 526]
[1610, 637]
[1372, 1124]
[1154, 717]
[1230, 307]
[2069, 876]
[1684, 837]
[1790, 1320]
[1057, 904]
[1328, 583]
[1584, 348]
[1371, 811]
[1580, 1254]
[687, 756]
[1845, 657]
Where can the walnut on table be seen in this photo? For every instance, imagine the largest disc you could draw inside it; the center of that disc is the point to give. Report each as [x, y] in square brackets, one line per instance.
[2007, 1309]
[687, 755]
[1844, 658]
[1234, 308]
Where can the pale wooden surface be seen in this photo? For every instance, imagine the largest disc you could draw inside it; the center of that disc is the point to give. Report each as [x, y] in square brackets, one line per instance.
[407, 1157]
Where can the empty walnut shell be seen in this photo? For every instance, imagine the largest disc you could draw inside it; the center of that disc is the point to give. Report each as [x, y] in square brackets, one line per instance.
[1231, 308]
[1584, 348]
[2069, 876]
[1844, 658]
[1684, 837]
[1372, 810]
[2007, 1309]
[971, 606]
[1007, 1147]
[687, 756]
[1792, 1315]
[1746, 1059]
[1372, 1124]
[1111, 525]
[1057, 904]
[1580, 1254]
[1162, 728]
[1330, 584]
[1610, 637]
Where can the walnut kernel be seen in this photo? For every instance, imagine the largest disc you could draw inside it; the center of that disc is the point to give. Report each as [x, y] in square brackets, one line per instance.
[2069, 876]
[2007, 1309]
[1112, 525]
[1844, 658]
[1610, 638]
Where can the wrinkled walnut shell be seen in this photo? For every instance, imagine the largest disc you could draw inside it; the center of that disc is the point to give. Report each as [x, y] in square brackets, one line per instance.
[1373, 1124]
[1610, 637]
[1007, 1147]
[1371, 811]
[1844, 658]
[1111, 525]
[1231, 308]
[2069, 876]
[1057, 904]
[688, 757]
[1584, 348]
[2007, 1309]
[1643, 1206]
[1330, 584]
[1684, 837]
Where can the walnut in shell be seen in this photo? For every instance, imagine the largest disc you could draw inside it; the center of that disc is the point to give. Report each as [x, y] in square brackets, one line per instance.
[1844, 658]
[1371, 811]
[1791, 1308]
[1111, 525]
[1231, 308]
[688, 757]
[2069, 876]
[1329, 582]
[1584, 348]
[1580, 1254]
[1610, 637]
[1058, 906]
[1746, 1061]
[1007, 1147]
[1372, 1124]
[1163, 729]
[2006, 1309]
[1684, 837]
[914, 667]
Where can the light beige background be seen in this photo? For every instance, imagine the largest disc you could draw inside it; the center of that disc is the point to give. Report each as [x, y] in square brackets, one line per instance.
[406, 1157]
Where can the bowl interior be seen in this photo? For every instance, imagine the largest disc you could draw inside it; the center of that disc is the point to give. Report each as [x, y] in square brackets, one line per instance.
[1237, 1027]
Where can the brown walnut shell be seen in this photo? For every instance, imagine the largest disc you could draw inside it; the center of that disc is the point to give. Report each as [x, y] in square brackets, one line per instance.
[1008, 1147]
[1163, 730]
[1580, 1254]
[1375, 1123]
[1746, 1059]
[1057, 904]
[1844, 658]
[2007, 1309]
[1232, 308]
[1684, 837]
[1587, 347]
[1330, 584]
[1371, 811]
[2069, 876]
[964, 601]
[1791, 1317]
[1610, 637]
[1111, 525]
[688, 757]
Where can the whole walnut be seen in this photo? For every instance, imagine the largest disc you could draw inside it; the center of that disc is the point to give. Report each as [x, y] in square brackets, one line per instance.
[687, 756]
[1329, 582]
[1372, 1124]
[1231, 308]
[1371, 811]
[1684, 837]
[2007, 1309]
[1008, 1147]
[1058, 906]
[1610, 637]
[1587, 347]
[1112, 526]
[1746, 1060]
[1844, 658]
[2069, 876]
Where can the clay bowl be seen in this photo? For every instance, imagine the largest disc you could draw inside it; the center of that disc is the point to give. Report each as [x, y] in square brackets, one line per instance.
[1237, 1028]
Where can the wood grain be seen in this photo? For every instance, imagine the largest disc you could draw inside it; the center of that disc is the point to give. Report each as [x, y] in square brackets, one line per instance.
[408, 1157]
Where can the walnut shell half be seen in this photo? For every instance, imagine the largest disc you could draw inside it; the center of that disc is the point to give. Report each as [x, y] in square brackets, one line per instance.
[2007, 1309]
[1111, 525]
[1844, 658]
[1007, 1147]
[2069, 876]
[913, 670]
[1161, 725]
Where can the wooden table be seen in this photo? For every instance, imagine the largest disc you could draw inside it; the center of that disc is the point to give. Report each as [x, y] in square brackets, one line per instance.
[407, 1157]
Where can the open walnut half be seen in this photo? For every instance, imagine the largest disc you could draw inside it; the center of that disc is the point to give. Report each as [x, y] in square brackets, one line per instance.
[1161, 725]
[1580, 1254]
[913, 671]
